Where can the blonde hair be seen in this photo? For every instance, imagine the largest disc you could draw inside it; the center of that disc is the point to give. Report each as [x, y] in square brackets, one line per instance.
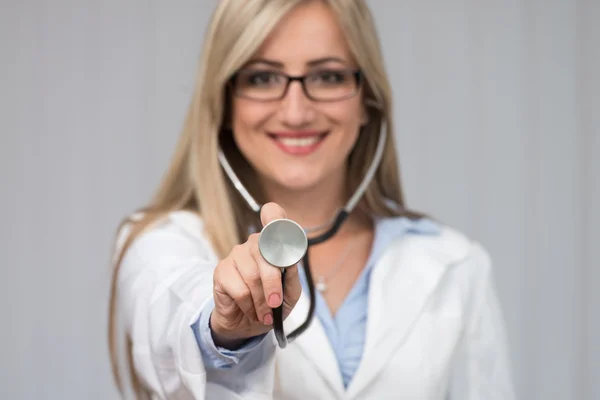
[195, 181]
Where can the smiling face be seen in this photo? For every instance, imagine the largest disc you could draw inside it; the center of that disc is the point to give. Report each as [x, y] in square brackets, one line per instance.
[299, 141]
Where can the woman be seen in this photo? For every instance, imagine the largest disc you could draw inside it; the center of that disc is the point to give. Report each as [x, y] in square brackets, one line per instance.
[406, 307]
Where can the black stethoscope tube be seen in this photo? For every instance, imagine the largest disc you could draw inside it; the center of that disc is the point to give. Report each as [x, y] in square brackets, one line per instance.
[282, 339]
[340, 218]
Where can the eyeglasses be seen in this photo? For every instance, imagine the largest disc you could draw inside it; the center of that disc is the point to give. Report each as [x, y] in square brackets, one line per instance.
[321, 85]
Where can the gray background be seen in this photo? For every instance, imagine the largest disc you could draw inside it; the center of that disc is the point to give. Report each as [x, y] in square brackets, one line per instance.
[497, 104]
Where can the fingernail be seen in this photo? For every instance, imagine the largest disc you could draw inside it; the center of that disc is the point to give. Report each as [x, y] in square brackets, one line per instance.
[268, 319]
[274, 300]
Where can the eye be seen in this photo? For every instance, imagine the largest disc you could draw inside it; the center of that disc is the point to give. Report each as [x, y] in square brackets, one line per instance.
[259, 78]
[329, 77]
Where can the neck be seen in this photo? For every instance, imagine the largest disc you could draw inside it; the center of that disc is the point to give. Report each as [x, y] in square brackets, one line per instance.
[315, 206]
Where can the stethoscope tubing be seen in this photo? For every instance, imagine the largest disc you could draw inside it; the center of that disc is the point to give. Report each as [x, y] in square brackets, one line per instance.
[342, 215]
[280, 335]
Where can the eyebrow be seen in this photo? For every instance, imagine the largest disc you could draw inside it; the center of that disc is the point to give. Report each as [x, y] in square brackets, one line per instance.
[311, 63]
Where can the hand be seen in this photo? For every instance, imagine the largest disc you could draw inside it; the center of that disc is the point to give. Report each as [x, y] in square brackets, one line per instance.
[246, 288]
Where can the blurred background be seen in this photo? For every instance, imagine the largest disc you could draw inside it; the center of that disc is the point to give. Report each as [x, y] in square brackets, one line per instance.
[498, 127]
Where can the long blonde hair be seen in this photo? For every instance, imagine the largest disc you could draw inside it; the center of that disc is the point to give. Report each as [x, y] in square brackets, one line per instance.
[195, 181]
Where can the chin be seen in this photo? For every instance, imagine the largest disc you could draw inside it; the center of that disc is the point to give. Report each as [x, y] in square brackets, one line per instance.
[296, 182]
[298, 185]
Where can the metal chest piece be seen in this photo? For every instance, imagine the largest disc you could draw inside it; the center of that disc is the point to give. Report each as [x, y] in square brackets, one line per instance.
[282, 243]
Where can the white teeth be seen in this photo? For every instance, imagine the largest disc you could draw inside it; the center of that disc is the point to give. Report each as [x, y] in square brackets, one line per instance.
[299, 142]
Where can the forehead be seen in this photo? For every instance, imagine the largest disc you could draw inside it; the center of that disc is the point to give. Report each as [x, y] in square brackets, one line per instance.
[308, 32]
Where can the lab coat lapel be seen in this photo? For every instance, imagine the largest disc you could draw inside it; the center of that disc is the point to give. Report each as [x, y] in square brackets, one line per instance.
[314, 344]
[402, 282]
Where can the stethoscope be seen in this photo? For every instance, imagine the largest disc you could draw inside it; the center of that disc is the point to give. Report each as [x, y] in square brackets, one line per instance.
[284, 243]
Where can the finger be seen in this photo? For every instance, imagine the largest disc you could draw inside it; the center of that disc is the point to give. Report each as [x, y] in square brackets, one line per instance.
[270, 212]
[269, 276]
[229, 282]
[249, 271]
[293, 288]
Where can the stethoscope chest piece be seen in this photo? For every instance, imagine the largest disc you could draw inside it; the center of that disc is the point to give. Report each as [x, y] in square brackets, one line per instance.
[282, 243]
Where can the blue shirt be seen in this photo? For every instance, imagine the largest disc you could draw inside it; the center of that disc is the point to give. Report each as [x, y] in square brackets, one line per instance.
[346, 330]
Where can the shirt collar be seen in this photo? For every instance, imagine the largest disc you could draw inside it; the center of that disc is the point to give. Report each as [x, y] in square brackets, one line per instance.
[388, 229]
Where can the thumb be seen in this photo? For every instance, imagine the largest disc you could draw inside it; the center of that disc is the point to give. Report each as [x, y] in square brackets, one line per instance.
[270, 212]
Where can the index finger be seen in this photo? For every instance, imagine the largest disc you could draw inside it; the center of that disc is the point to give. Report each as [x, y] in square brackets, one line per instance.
[270, 276]
[270, 212]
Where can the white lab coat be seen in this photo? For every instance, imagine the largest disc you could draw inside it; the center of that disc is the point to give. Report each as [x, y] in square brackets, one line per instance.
[434, 330]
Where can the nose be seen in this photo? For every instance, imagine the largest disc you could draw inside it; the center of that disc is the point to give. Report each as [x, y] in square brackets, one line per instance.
[296, 109]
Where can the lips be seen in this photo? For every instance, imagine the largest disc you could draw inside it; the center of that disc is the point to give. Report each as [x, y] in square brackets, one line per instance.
[298, 143]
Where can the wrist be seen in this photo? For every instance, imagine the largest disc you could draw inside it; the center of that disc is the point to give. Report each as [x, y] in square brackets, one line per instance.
[222, 338]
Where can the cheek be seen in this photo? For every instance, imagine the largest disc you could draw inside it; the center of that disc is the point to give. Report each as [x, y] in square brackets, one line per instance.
[347, 119]
[349, 114]
[247, 118]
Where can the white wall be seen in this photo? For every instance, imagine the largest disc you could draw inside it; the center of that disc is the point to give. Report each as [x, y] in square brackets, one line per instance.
[498, 131]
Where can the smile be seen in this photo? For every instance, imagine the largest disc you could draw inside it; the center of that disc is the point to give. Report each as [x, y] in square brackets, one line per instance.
[298, 143]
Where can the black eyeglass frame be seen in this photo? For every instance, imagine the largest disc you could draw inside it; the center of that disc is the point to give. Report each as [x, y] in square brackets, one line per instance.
[356, 73]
